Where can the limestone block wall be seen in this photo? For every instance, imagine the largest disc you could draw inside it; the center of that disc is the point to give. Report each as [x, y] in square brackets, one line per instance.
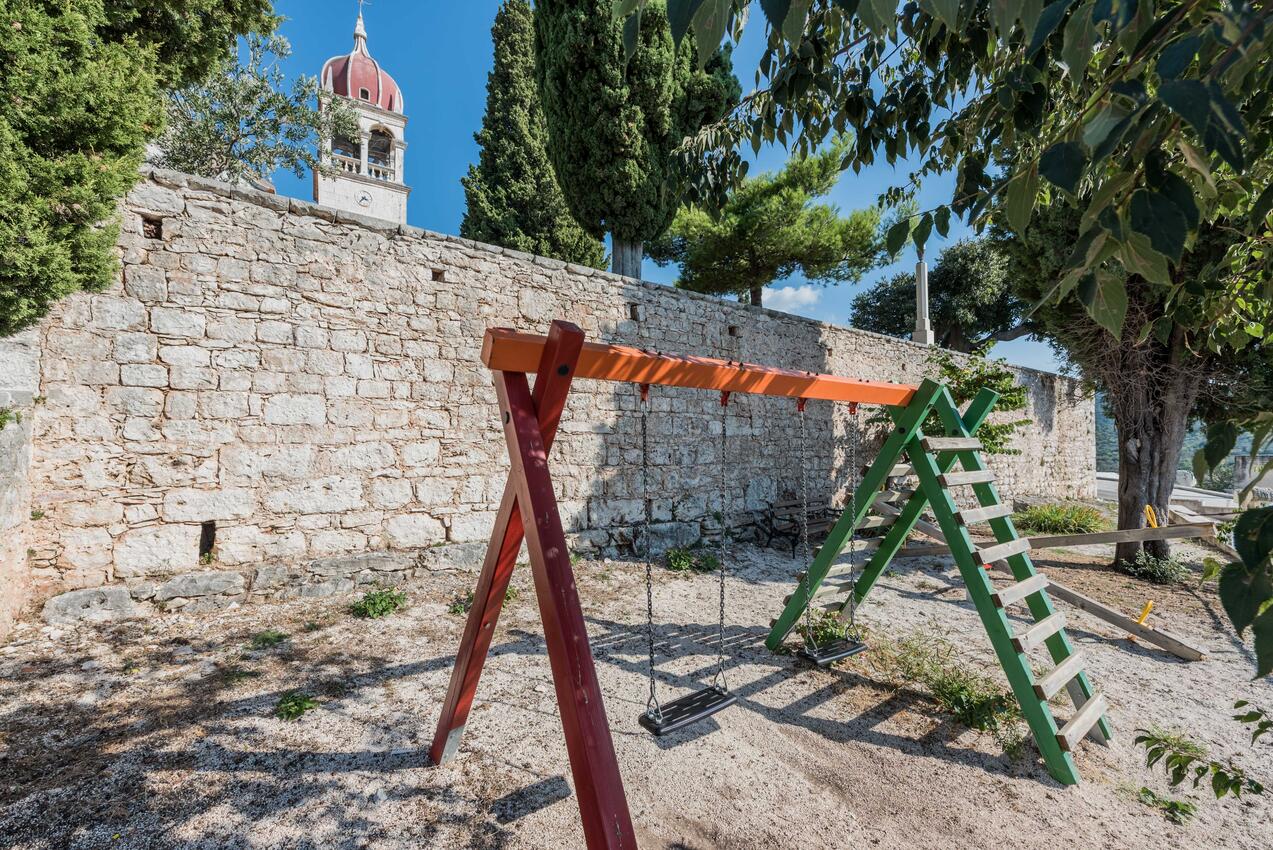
[277, 398]
[17, 398]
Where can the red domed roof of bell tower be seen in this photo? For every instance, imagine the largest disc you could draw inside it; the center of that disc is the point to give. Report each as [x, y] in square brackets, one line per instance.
[360, 77]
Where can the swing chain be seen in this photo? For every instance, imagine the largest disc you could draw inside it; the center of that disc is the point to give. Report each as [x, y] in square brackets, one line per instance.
[854, 437]
[652, 707]
[804, 526]
[718, 680]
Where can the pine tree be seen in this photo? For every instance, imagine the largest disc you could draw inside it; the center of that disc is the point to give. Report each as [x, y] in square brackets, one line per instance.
[614, 121]
[770, 228]
[511, 194]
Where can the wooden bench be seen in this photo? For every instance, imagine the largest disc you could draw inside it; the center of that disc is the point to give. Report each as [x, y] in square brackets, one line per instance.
[784, 522]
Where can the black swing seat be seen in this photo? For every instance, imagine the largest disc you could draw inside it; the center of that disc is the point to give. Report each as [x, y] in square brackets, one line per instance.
[826, 654]
[688, 709]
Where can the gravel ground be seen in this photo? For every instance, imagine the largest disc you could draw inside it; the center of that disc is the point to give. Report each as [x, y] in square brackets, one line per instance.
[160, 733]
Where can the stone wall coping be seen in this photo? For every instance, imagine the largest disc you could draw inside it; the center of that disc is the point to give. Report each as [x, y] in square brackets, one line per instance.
[296, 206]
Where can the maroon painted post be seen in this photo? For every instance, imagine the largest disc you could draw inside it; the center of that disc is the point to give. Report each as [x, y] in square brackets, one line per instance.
[552, 385]
[603, 807]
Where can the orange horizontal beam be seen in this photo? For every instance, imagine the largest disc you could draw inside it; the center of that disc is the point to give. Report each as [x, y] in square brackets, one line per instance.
[505, 350]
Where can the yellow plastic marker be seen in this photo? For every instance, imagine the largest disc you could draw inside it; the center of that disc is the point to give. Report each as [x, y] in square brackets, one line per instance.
[1144, 614]
[1151, 516]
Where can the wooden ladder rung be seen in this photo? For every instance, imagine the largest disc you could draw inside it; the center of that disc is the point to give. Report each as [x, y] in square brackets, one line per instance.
[1038, 633]
[977, 476]
[839, 571]
[1051, 684]
[976, 515]
[876, 521]
[951, 444]
[991, 554]
[1073, 732]
[896, 472]
[887, 496]
[1020, 590]
[827, 589]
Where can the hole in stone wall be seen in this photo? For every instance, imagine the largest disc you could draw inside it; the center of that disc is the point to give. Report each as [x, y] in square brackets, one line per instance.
[634, 312]
[152, 227]
[438, 275]
[828, 352]
[207, 539]
[733, 330]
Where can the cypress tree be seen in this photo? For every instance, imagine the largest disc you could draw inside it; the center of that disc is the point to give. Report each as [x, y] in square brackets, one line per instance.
[613, 122]
[511, 194]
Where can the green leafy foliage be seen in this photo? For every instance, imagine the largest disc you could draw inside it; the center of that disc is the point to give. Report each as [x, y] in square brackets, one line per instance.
[1060, 518]
[1258, 718]
[511, 194]
[379, 603]
[967, 376]
[694, 559]
[242, 122]
[1176, 811]
[1183, 758]
[931, 661]
[1246, 585]
[78, 103]
[770, 228]
[970, 300]
[268, 639]
[293, 704]
[822, 627]
[461, 604]
[75, 114]
[1169, 360]
[614, 121]
[1156, 115]
[189, 38]
[1155, 569]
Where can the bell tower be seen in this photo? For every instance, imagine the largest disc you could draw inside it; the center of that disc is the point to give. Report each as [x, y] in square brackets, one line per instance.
[367, 172]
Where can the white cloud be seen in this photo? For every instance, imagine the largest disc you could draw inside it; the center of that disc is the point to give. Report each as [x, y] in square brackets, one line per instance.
[792, 299]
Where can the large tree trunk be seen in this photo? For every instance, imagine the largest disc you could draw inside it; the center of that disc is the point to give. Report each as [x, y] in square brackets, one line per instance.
[1151, 413]
[626, 258]
[757, 295]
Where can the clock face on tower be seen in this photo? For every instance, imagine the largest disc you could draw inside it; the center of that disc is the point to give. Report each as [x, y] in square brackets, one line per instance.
[364, 198]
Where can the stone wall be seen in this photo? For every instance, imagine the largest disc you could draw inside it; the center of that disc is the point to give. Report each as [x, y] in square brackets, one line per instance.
[17, 398]
[280, 399]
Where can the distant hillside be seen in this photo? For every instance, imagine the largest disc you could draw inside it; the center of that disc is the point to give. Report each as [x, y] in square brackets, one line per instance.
[1107, 442]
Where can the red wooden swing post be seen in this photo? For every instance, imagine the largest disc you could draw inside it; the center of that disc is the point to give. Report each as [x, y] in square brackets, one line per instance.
[530, 420]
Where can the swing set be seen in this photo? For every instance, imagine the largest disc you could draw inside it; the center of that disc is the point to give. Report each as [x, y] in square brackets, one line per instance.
[528, 510]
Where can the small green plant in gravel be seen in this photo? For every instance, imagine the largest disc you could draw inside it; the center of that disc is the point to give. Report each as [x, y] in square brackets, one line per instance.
[1156, 570]
[1184, 758]
[691, 560]
[37, 514]
[1060, 518]
[511, 594]
[1176, 811]
[973, 699]
[268, 639]
[293, 704]
[234, 675]
[379, 603]
[823, 626]
[461, 604]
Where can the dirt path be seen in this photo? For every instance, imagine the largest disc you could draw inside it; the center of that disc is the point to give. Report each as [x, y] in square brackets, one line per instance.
[160, 733]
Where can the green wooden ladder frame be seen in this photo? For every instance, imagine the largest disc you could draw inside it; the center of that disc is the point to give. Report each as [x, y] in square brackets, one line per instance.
[907, 438]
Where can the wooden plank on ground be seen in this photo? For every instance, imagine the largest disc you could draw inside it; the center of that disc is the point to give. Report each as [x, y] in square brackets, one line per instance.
[1173, 644]
[1127, 535]
[1164, 640]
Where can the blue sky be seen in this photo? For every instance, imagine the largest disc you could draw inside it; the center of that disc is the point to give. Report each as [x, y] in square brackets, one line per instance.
[440, 53]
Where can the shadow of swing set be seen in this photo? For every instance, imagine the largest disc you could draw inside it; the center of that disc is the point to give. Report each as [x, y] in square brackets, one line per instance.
[529, 511]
